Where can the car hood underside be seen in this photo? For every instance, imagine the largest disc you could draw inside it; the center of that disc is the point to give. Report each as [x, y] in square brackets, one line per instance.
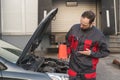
[29, 61]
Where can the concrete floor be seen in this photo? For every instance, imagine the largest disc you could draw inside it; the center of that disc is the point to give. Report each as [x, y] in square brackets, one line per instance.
[108, 71]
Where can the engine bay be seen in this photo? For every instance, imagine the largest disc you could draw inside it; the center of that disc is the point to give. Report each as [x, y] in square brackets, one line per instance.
[42, 64]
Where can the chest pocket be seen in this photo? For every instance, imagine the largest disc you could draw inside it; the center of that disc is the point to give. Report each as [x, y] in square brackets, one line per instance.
[87, 44]
[73, 41]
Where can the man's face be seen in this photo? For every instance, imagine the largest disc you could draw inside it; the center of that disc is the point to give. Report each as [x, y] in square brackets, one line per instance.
[84, 22]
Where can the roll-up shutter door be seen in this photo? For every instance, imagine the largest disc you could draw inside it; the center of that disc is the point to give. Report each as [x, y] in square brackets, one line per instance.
[68, 16]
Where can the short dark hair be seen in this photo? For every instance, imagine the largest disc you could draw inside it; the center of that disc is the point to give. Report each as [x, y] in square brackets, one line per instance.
[90, 15]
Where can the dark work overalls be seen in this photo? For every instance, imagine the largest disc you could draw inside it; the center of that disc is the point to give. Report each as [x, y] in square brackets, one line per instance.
[82, 67]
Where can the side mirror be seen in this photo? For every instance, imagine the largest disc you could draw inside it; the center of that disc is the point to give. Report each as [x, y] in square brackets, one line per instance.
[2, 66]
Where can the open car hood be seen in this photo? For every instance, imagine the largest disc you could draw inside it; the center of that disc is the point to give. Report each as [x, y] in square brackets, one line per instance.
[37, 36]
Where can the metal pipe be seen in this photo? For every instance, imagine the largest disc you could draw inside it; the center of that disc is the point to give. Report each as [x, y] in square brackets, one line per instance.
[0, 22]
[108, 18]
[115, 17]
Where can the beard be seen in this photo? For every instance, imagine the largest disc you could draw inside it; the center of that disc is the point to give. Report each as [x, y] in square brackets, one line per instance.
[85, 29]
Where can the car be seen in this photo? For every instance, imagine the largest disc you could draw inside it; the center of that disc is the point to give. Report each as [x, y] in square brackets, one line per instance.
[17, 64]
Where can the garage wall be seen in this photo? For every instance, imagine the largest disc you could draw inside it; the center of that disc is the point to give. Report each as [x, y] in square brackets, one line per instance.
[19, 17]
[0, 21]
[19, 20]
[67, 16]
[118, 14]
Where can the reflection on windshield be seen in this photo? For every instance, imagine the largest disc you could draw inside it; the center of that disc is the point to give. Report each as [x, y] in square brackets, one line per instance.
[14, 51]
[9, 54]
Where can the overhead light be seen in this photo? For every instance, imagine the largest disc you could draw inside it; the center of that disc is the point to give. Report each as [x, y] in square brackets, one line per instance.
[70, 3]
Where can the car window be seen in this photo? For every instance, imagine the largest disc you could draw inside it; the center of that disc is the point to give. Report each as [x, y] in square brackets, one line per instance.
[14, 51]
[7, 45]
[8, 55]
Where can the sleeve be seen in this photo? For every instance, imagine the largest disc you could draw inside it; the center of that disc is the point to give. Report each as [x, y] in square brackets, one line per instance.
[71, 39]
[103, 49]
[67, 41]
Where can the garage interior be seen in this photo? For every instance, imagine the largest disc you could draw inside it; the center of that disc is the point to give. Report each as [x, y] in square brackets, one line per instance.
[19, 19]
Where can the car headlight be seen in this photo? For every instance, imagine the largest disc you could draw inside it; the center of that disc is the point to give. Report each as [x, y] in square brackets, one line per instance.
[58, 77]
[53, 77]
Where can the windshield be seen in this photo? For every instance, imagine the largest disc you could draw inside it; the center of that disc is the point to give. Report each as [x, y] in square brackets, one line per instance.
[14, 51]
[9, 54]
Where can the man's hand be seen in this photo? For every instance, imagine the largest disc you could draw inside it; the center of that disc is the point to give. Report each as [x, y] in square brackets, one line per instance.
[87, 52]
